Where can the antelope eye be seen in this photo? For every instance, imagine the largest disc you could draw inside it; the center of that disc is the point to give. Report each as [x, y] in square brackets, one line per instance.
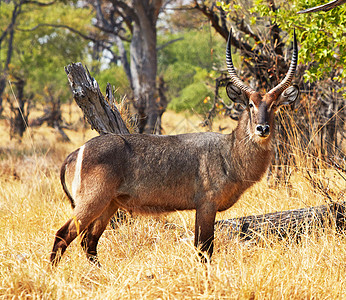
[250, 104]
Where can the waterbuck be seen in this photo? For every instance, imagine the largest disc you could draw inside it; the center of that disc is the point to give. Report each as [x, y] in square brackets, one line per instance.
[207, 172]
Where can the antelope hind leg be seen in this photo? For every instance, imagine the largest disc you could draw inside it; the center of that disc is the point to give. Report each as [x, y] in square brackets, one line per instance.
[84, 215]
[94, 231]
[64, 236]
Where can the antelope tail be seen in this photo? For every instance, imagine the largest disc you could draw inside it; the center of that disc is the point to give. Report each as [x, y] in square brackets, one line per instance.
[63, 183]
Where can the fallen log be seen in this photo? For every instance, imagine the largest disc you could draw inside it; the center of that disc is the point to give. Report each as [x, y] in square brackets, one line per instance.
[289, 224]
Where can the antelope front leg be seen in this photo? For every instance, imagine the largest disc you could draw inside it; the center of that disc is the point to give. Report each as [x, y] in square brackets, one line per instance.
[204, 229]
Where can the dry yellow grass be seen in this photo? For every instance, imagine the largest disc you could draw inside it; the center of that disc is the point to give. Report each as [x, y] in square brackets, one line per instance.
[154, 257]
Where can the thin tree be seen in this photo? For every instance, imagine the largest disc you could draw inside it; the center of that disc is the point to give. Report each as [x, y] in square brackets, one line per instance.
[7, 34]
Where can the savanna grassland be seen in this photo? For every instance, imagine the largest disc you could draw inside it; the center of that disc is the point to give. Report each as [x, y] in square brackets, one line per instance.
[154, 257]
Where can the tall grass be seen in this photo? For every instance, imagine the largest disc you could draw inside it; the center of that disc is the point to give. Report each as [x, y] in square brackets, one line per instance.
[154, 257]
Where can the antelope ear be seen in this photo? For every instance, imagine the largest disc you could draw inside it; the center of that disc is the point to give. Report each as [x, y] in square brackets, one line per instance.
[288, 96]
[236, 94]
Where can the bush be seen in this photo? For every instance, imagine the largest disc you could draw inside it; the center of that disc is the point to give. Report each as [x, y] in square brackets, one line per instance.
[194, 97]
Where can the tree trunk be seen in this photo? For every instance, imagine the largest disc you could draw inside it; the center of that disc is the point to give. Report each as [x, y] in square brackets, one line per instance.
[140, 18]
[10, 32]
[144, 64]
[20, 110]
[289, 224]
[2, 89]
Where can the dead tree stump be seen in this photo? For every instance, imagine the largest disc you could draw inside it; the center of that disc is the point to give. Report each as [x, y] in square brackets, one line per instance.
[103, 116]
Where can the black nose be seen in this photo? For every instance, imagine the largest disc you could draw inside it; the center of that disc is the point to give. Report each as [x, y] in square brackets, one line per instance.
[262, 130]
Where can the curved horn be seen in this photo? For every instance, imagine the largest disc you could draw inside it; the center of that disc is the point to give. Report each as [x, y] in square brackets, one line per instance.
[234, 78]
[285, 83]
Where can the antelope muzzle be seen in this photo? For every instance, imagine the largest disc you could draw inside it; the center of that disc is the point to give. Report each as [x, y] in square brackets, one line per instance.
[262, 130]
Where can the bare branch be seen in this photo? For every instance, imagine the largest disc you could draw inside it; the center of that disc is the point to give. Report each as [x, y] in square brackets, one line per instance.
[39, 3]
[168, 43]
[87, 37]
[128, 11]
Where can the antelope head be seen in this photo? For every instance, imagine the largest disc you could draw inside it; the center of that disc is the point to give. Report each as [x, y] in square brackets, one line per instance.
[262, 107]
